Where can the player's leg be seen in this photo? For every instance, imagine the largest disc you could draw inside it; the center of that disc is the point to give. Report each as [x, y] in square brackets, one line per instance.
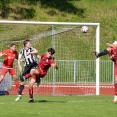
[38, 82]
[3, 73]
[16, 81]
[1, 78]
[21, 88]
[32, 72]
[26, 74]
[27, 70]
[102, 53]
[115, 84]
[38, 75]
[22, 83]
[13, 73]
[33, 80]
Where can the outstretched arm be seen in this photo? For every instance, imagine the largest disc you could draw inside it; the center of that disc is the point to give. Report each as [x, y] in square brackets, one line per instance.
[2, 54]
[55, 66]
[111, 45]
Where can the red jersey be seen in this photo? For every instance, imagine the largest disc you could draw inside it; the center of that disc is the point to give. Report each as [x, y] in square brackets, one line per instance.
[9, 58]
[45, 63]
[114, 52]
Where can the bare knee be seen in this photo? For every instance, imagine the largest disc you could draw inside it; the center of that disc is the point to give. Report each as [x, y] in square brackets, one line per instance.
[34, 72]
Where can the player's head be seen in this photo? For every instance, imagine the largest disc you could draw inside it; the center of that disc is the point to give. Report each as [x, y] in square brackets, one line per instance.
[50, 52]
[27, 43]
[13, 47]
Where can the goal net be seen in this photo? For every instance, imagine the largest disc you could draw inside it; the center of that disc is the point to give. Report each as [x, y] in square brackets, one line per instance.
[78, 72]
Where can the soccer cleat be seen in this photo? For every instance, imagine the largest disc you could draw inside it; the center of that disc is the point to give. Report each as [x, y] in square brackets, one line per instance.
[21, 77]
[39, 82]
[96, 54]
[18, 98]
[31, 100]
[115, 99]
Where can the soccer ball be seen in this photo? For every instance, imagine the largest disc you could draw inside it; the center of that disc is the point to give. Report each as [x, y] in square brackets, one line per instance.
[84, 29]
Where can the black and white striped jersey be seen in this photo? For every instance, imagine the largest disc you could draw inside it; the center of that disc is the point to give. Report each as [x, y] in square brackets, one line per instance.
[28, 59]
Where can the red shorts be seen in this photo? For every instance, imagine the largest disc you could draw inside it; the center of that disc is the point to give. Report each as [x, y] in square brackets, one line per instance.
[41, 75]
[5, 70]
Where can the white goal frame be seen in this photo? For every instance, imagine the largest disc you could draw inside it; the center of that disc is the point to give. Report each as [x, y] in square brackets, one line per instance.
[70, 23]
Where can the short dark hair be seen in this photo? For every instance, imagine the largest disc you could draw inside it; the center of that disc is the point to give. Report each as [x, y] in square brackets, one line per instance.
[26, 41]
[12, 44]
[51, 50]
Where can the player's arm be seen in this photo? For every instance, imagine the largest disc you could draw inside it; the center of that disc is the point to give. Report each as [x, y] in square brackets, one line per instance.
[2, 54]
[19, 61]
[34, 51]
[111, 45]
[38, 56]
[54, 65]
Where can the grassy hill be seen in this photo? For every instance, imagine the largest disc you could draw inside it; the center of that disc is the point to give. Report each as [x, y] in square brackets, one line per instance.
[95, 11]
[102, 11]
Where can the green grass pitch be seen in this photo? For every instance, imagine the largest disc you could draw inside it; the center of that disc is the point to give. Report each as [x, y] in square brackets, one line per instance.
[58, 106]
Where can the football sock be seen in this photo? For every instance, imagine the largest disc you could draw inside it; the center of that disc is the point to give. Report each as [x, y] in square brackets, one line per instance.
[27, 76]
[21, 89]
[31, 92]
[115, 86]
[17, 84]
[104, 52]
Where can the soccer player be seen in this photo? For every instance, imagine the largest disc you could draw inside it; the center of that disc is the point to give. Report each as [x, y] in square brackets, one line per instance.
[28, 53]
[112, 51]
[105, 51]
[7, 66]
[46, 61]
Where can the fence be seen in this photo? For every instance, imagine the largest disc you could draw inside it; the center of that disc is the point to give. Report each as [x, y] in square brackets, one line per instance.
[78, 71]
[74, 77]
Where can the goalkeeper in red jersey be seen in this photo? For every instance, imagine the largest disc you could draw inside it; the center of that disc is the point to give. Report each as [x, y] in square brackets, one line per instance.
[7, 66]
[112, 52]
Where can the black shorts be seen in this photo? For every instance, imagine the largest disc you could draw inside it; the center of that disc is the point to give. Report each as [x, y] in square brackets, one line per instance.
[28, 68]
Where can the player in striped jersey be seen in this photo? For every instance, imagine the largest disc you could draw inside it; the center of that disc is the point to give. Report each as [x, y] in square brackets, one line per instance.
[28, 53]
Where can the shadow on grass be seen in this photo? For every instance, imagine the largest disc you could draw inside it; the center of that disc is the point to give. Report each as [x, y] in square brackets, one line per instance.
[24, 13]
[65, 6]
[61, 5]
[46, 101]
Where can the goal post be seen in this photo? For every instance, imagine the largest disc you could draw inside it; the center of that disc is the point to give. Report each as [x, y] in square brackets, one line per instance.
[78, 72]
[97, 60]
